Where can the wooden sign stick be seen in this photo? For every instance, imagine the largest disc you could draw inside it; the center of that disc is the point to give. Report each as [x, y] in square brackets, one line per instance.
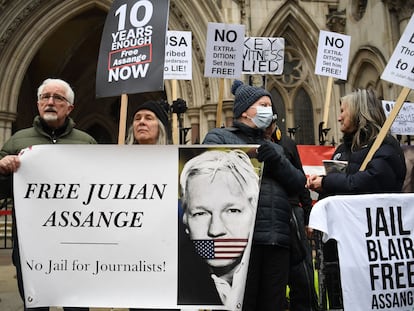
[386, 127]
[220, 103]
[122, 119]
[174, 121]
[327, 102]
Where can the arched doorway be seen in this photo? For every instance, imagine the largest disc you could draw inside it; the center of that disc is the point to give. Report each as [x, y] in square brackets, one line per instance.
[70, 52]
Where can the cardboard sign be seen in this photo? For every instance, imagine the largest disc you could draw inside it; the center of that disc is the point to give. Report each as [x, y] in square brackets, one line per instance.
[132, 51]
[178, 58]
[224, 54]
[263, 55]
[333, 55]
[400, 67]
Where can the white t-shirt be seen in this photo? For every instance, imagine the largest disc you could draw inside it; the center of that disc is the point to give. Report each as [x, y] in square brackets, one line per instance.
[375, 236]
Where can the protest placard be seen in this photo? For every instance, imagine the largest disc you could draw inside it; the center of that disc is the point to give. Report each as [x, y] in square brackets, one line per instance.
[404, 122]
[115, 215]
[332, 61]
[224, 54]
[263, 55]
[130, 60]
[400, 67]
[178, 58]
[333, 55]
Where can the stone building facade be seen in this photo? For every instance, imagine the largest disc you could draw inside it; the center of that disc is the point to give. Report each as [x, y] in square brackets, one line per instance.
[55, 38]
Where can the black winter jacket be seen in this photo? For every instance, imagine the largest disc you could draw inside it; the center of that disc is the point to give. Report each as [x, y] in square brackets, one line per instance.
[384, 173]
[280, 178]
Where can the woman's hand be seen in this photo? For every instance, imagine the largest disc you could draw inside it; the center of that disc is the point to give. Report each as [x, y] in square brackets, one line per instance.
[314, 182]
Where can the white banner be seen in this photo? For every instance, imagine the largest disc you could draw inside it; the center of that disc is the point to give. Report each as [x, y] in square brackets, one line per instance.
[375, 248]
[99, 226]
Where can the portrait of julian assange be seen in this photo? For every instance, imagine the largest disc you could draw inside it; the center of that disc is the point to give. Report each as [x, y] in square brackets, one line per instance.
[218, 200]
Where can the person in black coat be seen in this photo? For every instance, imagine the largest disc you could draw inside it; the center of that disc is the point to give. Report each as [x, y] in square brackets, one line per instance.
[302, 293]
[268, 270]
[361, 119]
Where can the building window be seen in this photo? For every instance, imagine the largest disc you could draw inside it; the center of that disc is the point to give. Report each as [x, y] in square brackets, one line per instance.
[303, 119]
[280, 109]
[293, 72]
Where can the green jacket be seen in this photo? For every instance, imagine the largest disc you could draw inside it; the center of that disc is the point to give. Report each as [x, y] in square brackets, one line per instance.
[40, 135]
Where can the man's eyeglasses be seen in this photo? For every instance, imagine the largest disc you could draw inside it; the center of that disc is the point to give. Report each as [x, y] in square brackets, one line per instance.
[56, 97]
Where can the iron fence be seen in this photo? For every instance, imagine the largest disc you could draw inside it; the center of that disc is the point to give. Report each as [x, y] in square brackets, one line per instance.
[6, 220]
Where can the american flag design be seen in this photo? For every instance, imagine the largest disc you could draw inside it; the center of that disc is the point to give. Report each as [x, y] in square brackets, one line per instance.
[220, 248]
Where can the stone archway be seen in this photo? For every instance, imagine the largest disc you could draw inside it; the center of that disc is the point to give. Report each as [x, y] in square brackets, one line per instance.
[43, 40]
[366, 68]
[61, 39]
[290, 22]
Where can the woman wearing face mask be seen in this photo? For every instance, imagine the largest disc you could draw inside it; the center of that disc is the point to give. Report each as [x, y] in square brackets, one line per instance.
[269, 260]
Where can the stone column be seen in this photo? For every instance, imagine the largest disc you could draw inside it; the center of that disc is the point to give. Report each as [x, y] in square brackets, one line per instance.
[228, 112]
[210, 110]
[194, 116]
[403, 10]
[6, 120]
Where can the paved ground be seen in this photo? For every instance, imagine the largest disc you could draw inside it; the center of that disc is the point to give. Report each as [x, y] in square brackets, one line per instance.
[9, 295]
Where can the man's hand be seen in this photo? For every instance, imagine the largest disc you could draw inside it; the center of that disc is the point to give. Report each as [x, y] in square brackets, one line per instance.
[9, 164]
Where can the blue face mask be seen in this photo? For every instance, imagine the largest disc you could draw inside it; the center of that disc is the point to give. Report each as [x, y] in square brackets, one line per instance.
[263, 117]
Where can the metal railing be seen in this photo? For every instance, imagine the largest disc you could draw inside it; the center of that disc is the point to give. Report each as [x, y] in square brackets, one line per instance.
[6, 220]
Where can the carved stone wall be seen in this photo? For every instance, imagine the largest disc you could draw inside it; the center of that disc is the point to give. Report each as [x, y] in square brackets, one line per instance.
[31, 33]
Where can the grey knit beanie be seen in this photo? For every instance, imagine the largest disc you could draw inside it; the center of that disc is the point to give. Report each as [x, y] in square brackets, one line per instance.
[245, 96]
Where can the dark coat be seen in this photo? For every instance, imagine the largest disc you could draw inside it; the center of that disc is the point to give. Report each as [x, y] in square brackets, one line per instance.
[280, 178]
[384, 173]
[303, 198]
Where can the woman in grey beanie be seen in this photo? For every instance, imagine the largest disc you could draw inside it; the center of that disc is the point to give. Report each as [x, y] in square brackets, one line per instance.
[269, 260]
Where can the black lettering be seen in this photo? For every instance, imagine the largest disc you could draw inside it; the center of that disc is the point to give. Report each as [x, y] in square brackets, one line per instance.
[369, 222]
[51, 221]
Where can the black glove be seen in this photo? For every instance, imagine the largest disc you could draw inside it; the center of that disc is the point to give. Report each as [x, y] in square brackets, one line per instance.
[267, 152]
